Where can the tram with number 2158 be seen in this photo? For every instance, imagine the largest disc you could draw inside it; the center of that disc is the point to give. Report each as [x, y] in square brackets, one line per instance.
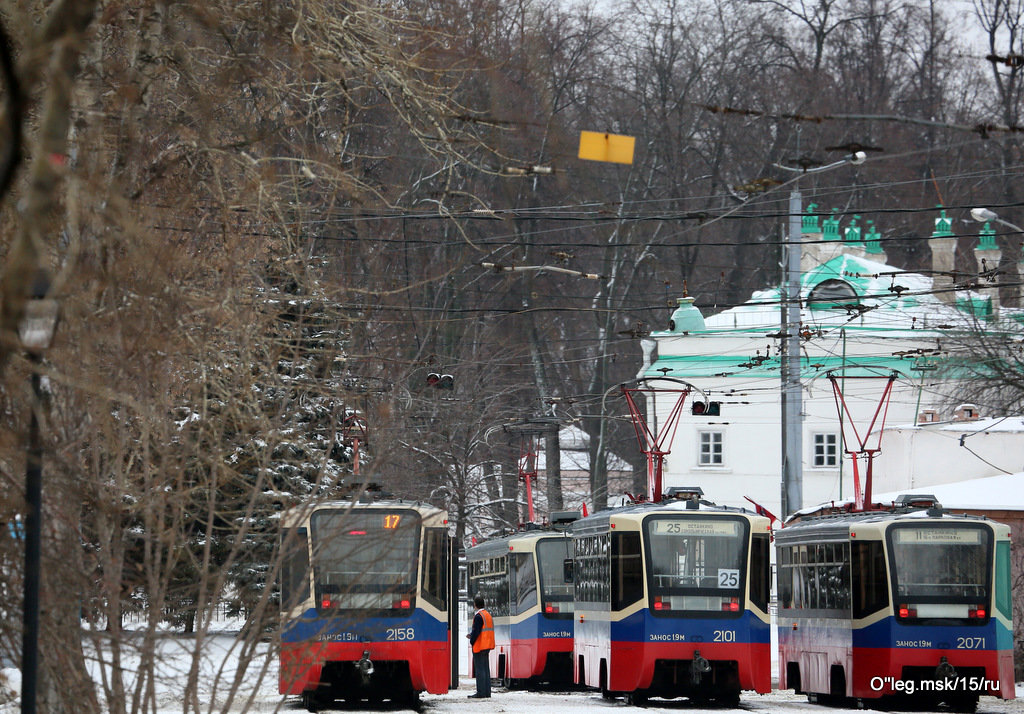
[905, 600]
[367, 602]
[671, 600]
[528, 590]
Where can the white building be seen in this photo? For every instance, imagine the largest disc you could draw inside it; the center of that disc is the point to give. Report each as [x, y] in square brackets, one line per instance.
[861, 321]
[967, 446]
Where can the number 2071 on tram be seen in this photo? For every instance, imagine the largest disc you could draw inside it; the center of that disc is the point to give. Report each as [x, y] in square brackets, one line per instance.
[906, 602]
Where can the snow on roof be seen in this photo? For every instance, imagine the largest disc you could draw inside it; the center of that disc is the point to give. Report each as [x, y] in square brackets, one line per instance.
[573, 443]
[993, 493]
[899, 299]
[990, 425]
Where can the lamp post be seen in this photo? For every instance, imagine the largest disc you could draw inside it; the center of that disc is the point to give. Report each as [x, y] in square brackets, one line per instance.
[36, 330]
[792, 395]
[983, 215]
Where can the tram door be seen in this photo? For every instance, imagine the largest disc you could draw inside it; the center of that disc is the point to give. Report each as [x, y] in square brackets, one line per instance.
[452, 602]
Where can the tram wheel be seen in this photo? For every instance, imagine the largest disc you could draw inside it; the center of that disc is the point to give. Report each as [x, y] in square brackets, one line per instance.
[730, 698]
[312, 701]
[637, 699]
[966, 704]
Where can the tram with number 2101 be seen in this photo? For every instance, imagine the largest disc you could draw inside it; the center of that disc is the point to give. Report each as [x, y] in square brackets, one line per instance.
[905, 600]
[528, 589]
[671, 600]
[367, 602]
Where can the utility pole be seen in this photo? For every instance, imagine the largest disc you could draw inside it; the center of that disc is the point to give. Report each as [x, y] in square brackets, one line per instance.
[792, 390]
[792, 395]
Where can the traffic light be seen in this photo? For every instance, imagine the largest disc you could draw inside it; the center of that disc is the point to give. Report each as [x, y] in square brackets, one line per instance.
[441, 381]
[706, 409]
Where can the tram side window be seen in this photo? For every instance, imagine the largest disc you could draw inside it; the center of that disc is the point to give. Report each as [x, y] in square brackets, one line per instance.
[627, 570]
[294, 567]
[814, 577]
[870, 584]
[592, 572]
[760, 573]
[1004, 596]
[784, 574]
[524, 582]
[435, 567]
[489, 578]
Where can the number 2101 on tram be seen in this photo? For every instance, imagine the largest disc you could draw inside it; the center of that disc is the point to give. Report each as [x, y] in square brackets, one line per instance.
[366, 602]
[908, 601]
[671, 600]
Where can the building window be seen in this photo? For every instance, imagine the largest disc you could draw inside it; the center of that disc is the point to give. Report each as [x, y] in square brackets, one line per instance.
[710, 448]
[826, 451]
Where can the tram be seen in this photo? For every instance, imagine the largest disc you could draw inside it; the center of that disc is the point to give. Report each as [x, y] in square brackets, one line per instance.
[367, 603]
[908, 600]
[526, 581]
[671, 600]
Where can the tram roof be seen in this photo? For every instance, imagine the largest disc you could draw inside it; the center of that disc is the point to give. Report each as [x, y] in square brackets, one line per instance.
[344, 504]
[816, 527]
[598, 522]
[499, 546]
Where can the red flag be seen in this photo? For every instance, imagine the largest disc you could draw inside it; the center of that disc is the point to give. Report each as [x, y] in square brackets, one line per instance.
[761, 510]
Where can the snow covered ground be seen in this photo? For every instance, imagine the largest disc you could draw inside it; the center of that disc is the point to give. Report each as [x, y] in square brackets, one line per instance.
[258, 693]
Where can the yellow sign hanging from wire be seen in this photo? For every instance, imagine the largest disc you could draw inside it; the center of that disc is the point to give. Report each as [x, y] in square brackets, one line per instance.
[599, 146]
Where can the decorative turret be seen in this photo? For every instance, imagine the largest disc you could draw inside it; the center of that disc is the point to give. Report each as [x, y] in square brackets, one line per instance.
[873, 243]
[852, 233]
[987, 238]
[830, 227]
[943, 244]
[686, 318]
[809, 223]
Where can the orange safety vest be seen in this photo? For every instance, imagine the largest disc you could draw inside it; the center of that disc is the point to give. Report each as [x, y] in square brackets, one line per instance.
[485, 640]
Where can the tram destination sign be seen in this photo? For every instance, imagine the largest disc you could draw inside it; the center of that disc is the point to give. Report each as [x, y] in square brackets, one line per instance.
[695, 527]
[962, 536]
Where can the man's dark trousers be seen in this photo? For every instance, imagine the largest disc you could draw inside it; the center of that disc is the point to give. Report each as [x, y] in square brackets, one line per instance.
[482, 668]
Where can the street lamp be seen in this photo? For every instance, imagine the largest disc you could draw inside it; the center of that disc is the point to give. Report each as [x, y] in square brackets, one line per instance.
[792, 396]
[985, 215]
[36, 329]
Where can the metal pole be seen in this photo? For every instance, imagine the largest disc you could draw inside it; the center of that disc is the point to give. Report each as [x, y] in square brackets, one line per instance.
[792, 397]
[453, 614]
[33, 537]
[792, 394]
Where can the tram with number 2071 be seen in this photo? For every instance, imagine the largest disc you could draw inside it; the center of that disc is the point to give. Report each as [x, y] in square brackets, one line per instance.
[366, 602]
[671, 600]
[907, 600]
[528, 590]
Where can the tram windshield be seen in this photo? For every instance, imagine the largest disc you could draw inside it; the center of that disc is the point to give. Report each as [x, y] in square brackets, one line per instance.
[365, 559]
[941, 570]
[696, 564]
[556, 591]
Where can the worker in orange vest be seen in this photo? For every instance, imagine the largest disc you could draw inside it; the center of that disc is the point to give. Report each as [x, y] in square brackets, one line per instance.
[482, 639]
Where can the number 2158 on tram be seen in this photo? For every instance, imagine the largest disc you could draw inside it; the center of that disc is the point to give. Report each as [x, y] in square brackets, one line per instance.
[366, 602]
